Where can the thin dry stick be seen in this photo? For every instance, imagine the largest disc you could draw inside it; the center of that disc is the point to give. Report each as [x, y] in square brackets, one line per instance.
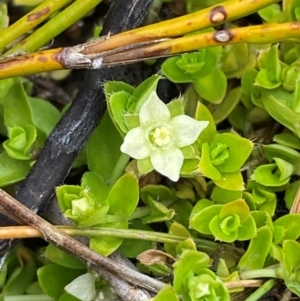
[243, 283]
[65, 242]
[296, 204]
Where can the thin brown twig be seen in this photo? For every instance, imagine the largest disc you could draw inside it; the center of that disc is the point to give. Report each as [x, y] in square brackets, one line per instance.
[68, 244]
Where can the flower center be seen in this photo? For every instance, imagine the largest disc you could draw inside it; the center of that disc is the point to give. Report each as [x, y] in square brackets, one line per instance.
[160, 136]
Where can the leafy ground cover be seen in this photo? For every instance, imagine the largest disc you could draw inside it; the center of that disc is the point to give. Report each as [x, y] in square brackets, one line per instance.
[181, 174]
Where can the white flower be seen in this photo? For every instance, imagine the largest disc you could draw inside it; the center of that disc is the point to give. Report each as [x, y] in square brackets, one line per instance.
[160, 137]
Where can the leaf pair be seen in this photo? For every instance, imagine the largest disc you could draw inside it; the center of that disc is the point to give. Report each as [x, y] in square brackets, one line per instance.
[201, 69]
[93, 203]
[228, 222]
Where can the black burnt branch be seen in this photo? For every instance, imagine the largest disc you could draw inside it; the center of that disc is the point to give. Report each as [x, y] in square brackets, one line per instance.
[73, 130]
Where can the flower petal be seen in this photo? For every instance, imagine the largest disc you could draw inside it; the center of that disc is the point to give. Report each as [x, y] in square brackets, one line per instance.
[135, 144]
[168, 163]
[153, 111]
[186, 130]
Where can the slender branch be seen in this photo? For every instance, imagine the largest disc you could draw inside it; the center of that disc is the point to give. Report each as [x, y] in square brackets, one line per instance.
[243, 283]
[50, 30]
[211, 16]
[14, 232]
[63, 241]
[74, 57]
[30, 20]
[131, 46]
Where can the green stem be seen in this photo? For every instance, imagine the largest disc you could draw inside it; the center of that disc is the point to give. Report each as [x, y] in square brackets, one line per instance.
[275, 272]
[119, 169]
[138, 235]
[65, 19]
[31, 20]
[266, 287]
[27, 298]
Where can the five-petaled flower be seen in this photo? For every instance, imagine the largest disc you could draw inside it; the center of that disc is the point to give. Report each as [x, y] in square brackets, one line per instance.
[161, 137]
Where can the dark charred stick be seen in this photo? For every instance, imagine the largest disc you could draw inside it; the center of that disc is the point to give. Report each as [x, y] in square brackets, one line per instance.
[71, 133]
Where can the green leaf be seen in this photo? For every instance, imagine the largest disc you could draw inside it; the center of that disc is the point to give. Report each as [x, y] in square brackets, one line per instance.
[288, 140]
[126, 189]
[117, 103]
[158, 212]
[282, 112]
[239, 150]
[290, 223]
[183, 209]
[290, 194]
[208, 286]
[247, 83]
[269, 175]
[291, 265]
[107, 245]
[263, 80]
[117, 94]
[238, 207]
[176, 107]
[212, 87]
[166, 293]
[270, 69]
[45, 115]
[62, 258]
[279, 151]
[222, 110]
[232, 181]
[16, 107]
[81, 206]
[143, 91]
[175, 74]
[257, 251]
[53, 278]
[247, 229]
[20, 273]
[12, 170]
[286, 169]
[222, 196]
[176, 229]
[235, 59]
[205, 165]
[21, 140]
[291, 7]
[4, 19]
[68, 297]
[208, 134]
[237, 117]
[221, 232]
[5, 85]
[189, 261]
[200, 221]
[289, 79]
[130, 248]
[271, 13]
[265, 199]
[103, 148]
[95, 185]
[199, 64]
